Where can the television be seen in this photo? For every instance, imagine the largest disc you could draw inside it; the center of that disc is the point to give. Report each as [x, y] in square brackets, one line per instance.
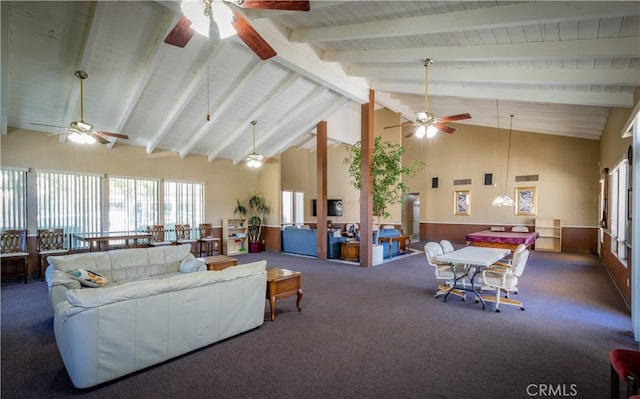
[334, 207]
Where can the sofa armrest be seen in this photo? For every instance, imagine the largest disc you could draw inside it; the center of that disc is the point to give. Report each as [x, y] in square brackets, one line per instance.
[59, 283]
[56, 277]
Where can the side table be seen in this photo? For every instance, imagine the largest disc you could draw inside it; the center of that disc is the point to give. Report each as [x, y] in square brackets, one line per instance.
[283, 283]
[350, 251]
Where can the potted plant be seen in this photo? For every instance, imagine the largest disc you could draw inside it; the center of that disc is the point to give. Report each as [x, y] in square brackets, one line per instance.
[387, 170]
[254, 211]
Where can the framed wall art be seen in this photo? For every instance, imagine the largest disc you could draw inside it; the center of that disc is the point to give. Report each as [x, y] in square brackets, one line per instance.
[462, 203]
[526, 201]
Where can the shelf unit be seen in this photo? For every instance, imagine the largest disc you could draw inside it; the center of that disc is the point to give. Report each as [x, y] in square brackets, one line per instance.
[235, 236]
[550, 234]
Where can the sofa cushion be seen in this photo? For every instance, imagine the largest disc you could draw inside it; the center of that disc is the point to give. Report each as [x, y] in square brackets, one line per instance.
[99, 262]
[88, 278]
[134, 264]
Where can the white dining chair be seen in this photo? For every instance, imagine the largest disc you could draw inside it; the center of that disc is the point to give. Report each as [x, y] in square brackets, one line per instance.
[444, 271]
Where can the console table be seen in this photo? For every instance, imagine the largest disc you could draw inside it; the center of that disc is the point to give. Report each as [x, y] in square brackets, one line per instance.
[402, 243]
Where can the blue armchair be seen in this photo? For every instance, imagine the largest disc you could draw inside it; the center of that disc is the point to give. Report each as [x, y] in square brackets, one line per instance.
[334, 246]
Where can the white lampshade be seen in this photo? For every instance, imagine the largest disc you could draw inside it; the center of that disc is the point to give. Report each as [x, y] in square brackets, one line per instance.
[431, 131]
[81, 138]
[222, 15]
[503, 200]
[254, 161]
[420, 132]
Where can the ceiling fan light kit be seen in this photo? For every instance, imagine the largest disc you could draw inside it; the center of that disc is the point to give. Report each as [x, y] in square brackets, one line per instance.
[199, 12]
[81, 138]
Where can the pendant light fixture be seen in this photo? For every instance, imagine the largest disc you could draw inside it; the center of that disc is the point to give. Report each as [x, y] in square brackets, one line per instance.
[254, 160]
[504, 199]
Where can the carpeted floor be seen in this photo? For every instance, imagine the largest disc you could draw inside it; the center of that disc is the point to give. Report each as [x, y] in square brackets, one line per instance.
[366, 333]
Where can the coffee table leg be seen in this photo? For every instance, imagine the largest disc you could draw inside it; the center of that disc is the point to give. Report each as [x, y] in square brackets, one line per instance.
[299, 299]
[272, 305]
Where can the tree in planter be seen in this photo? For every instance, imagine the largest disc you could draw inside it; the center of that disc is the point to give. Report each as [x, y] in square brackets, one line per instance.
[387, 171]
[254, 211]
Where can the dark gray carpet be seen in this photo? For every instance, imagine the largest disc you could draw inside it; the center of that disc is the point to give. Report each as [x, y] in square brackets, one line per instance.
[366, 333]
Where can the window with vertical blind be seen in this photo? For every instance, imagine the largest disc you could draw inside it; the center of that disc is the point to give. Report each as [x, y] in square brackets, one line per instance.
[14, 199]
[69, 201]
[133, 203]
[292, 207]
[183, 204]
[619, 210]
[287, 207]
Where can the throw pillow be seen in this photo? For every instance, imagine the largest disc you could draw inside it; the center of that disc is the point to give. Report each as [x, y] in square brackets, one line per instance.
[337, 233]
[89, 278]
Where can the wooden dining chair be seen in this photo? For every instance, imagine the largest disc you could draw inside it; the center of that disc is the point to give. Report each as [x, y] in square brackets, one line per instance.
[183, 235]
[157, 236]
[207, 242]
[49, 242]
[13, 247]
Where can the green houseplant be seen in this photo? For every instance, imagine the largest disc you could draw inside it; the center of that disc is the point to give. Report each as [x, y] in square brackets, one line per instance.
[387, 170]
[254, 210]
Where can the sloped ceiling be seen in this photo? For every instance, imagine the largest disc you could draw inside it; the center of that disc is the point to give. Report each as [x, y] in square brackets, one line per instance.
[557, 66]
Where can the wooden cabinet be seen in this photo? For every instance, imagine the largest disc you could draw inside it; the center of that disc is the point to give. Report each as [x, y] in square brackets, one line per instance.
[234, 236]
[550, 231]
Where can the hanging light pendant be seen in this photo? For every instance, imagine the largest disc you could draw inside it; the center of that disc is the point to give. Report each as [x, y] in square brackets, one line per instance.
[504, 199]
[254, 160]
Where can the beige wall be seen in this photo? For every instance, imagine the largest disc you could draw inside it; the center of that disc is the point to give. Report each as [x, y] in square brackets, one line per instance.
[568, 175]
[224, 181]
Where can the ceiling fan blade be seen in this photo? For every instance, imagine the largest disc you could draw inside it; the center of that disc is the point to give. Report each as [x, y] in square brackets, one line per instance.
[444, 128]
[452, 118]
[181, 33]
[44, 124]
[99, 138]
[252, 38]
[274, 4]
[114, 135]
[400, 125]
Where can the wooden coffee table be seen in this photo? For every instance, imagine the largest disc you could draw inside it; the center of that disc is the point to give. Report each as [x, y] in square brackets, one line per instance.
[219, 262]
[283, 283]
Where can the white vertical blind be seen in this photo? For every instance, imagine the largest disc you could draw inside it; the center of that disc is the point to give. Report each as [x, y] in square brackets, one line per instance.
[72, 202]
[183, 204]
[14, 199]
[614, 210]
[133, 203]
[287, 207]
[299, 208]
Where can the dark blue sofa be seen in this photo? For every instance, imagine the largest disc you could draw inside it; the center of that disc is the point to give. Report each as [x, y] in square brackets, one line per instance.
[303, 242]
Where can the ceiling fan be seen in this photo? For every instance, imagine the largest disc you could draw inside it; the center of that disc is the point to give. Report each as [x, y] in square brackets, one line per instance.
[213, 17]
[428, 124]
[82, 132]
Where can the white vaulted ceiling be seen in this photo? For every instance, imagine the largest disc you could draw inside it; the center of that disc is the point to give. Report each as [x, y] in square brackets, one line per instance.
[557, 66]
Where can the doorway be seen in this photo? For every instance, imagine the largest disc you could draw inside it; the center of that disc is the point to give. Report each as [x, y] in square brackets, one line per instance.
[411, 216]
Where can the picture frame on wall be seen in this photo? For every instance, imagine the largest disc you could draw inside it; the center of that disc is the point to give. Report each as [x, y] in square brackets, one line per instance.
[462, 203]
[526, 201]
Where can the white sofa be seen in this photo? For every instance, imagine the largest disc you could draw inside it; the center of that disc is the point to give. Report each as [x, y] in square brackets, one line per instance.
[150, 312]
